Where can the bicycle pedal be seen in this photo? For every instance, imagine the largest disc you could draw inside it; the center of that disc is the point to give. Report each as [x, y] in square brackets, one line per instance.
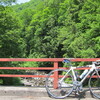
[77, 93]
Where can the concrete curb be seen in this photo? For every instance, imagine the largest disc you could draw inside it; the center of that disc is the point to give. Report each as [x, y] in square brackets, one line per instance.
[32, 91]
[23, 91]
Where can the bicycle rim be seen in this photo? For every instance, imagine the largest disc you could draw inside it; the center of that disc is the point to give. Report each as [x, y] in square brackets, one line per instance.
[62, 89]
[94, 84]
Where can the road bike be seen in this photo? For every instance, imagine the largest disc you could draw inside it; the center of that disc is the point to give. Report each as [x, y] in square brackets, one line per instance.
[67, 81]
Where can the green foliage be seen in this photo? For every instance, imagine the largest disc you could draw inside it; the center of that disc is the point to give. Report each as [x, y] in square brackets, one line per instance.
[49, 29]
[10, 39]
[11, 81]
[81, 29]
[30, 64]
[7, 2]
[60, 28]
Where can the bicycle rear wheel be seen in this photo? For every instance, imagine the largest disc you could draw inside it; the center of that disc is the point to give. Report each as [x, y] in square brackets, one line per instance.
[94, 84]
[56, 87]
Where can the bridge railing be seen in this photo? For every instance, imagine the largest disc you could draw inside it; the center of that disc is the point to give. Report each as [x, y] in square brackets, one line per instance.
[55, 62]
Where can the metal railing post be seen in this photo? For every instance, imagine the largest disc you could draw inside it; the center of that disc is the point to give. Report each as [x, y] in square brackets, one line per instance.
[55, 84]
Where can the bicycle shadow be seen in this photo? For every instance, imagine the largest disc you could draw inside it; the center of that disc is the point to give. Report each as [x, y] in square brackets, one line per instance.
[84, 94]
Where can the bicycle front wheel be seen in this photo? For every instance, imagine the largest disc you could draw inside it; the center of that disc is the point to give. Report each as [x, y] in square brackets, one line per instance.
[59, 83]
[94, 84]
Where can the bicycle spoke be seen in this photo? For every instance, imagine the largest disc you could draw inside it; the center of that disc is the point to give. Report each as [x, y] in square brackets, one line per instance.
[63, 87]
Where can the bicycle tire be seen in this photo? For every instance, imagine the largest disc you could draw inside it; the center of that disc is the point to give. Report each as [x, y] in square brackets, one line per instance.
[94, 84]
[63, 89]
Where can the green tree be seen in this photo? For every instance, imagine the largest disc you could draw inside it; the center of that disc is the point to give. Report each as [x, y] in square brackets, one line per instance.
[7, 2]
[10, 39]
[81, 29]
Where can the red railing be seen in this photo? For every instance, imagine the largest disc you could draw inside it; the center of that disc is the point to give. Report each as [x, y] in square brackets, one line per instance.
[54, 60]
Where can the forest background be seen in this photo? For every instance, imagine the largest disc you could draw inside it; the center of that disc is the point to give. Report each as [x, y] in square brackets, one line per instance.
[48, 29]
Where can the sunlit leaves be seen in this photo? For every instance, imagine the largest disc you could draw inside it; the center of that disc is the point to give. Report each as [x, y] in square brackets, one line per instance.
[70, 27]
[7, 2]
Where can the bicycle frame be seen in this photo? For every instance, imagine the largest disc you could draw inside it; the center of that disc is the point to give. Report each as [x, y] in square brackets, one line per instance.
[93, 67]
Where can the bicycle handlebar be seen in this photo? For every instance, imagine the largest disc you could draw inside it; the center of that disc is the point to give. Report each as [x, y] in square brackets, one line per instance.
[97, 62]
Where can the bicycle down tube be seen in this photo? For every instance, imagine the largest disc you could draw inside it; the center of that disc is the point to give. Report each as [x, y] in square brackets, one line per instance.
[89, 72]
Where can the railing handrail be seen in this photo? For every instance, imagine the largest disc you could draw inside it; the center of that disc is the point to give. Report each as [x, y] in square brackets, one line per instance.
[48, 59]
[54, 60]
[32, 59]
